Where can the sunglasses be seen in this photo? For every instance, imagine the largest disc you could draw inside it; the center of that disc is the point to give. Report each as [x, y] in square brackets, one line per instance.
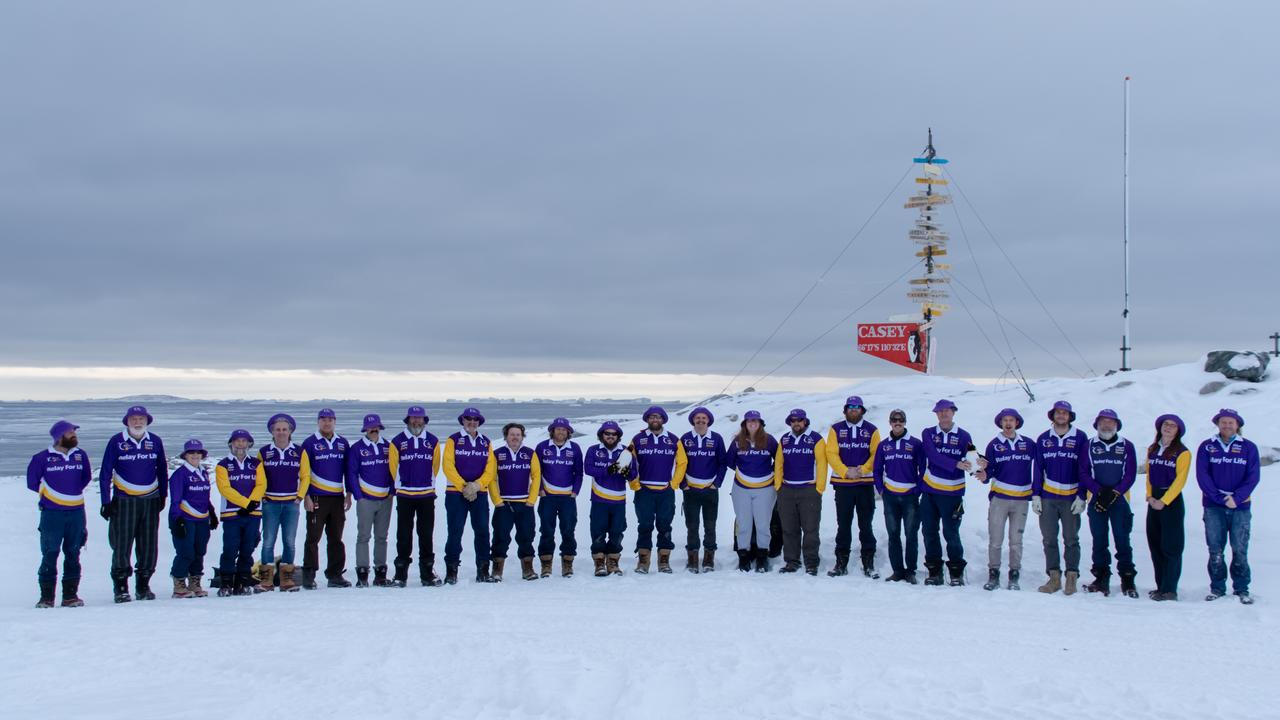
[854, 407]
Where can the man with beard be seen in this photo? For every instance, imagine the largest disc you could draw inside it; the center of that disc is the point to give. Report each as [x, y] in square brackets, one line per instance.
[660, 467]
[133, 482]
[59, 474]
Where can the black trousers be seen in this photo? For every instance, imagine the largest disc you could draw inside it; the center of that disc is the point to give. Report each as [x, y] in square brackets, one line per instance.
[415, 514]
[800, 509]
[1166, 536]
[701, 505]
[859, 499]
[134, 530]
[327, 520]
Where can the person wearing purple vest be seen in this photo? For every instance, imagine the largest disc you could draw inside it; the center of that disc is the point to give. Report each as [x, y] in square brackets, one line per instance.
[704, 448]
[560, 460]
[942, 502]
[191, 517]
[241, 488]
[1057, 495]
[60, 474]
[280, 467]
[419, 453]
[1228, 469]
[755, 458]
[1167, 467]
[800, 479]
[133, 481]
[851, 451]
[1113, 467]
[372, 465]
[323, 471]
[516, 482]
[1011, 462]
[469, 469]
[611, 469]
[899, 473]
[660, 468]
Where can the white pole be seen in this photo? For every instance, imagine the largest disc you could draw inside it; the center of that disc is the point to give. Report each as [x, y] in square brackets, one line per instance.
[1124, 344]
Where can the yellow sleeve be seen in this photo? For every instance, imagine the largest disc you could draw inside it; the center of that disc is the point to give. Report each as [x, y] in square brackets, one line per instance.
[259, 481]
[682, 462]
[868, 467]
[1179, 478]
[224, 487]
[304, 474]
[393, 460]
[820, 465]
[435, 463]
[635, 482]
[495, 493]
[490, 476]
[777, 468]
[535, 480]
[450, 470]
[834, 462]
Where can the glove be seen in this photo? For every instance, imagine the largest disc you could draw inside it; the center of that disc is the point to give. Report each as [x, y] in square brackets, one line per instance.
[253, 505]
[470, 491]
[106, 510]
[1037, 505]
[213, 520]
[180, 528]
[624, 459]
[613, 469]
[1077, 506]
[1102, 501]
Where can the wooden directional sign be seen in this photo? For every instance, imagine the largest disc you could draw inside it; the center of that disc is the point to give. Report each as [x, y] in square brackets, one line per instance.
[932, 170]
[927, 223]
[928, 280]
[927, 295]
[930, 181]
[937, 252]
[929, 161]
[917, 201]
[937, 235]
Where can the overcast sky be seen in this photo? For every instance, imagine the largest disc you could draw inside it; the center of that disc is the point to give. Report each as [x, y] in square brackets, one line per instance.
[621, 187]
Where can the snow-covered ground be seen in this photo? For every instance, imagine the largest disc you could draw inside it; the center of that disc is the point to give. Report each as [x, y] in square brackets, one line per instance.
[718, 645]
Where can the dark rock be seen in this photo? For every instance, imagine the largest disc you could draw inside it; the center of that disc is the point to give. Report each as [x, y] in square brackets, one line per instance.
[1246, 365]
[1213, 386]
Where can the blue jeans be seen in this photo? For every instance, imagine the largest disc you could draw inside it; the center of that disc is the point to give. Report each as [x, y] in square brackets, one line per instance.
[902, 519]
[188, 558]
[456, 512]
[655, 507]
[608, 522]
[1118, 520]
[239, 540]
[279, 518]
[946, 510]
[1221, 523]
[61, 531]
[521, 517]
[565, 509]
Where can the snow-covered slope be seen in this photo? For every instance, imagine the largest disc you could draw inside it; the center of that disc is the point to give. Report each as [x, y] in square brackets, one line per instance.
[719, 645]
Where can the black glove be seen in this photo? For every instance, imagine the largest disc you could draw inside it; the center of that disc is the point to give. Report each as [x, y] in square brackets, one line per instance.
[253, 505]
[106, 510]
[179, 527]
[1102, 501]
[213, 520]
[244, 512]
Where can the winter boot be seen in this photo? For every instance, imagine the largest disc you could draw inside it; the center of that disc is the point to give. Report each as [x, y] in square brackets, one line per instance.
[180, 588]
[1013, 580]
[226, 584]
[708, 560]
[909, 577]
[869, 566]
[1127, 585]
[896, 576]
[380, 576]
[546, 563]
[789, 567]
[664, 561]
[642, 562]
[1054, 583]
[46, 594]
[70, 590]
[287, 583]
[193, 586]
[1245, 597]
[482, 573]
[842, 566]
[401, 577]
[993, 579]
[121, 583]
[566, 566]
[744, 560]
[956, 570]
[308, 579]
[451, 574]
[427, 571]
[338, 581]
[1214, 595]
[598, 560]
[1101, 582]
[691, 564]
[935, 574]
[362, 577]
[1069, 587]
[526, 569]
[611, 563]
[266, 577]
[762, 561]
[495, 575]
[811, 570]
[142, 587]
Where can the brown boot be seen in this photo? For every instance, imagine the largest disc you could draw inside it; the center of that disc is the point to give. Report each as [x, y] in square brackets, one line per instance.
[664, 561]
[1054, 584]
[692, 563]
[642, 562]
[708, 561]
[495, 575]
[179, 588]
[598, 560]
[611, 563]
[1070, 587]
[566, 566]
[266, 577]
[193, 586]
[286, 579]
[546, 565]
[526, 569]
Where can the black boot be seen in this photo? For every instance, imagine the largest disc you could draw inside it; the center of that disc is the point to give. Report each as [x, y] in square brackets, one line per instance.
[47, 589]
[909, 577]
[142, 587]
[427, 572]
[244, 584]
[226, 583]
[451, 574]
[308, 579]
[380, 576]
[1101, 582]
[482, 574]
[790, 567]
[993, 579]
[1127, 585]
[402, 575]
[338, 581]
[935, 573]
[744, 560]
[897, 576]
[362, 577]
[956, 570]
[869, 566]
[811, 570]
[70, 592]
[1013, 580]
[762, 561]
[842, 566]
[121, 585]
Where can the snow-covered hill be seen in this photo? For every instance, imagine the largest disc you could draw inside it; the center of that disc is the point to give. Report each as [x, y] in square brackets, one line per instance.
[718, 645]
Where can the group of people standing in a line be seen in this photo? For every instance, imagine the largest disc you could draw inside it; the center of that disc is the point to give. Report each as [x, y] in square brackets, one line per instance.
[778, 483]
